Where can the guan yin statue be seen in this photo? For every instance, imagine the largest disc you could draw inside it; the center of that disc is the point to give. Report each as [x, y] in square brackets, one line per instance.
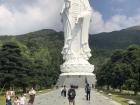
[76, 17]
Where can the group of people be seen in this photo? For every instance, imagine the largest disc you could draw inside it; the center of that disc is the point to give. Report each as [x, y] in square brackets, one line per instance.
[22, 100]
[72, 93]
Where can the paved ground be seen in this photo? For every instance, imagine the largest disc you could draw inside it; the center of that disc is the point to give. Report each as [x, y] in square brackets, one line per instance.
[54, 98]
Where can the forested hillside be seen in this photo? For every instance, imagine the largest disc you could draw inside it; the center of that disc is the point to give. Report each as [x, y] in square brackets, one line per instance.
[116, 39]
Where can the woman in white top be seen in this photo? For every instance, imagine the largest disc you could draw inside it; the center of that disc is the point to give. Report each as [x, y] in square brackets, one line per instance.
[22, 100]
[16, 101]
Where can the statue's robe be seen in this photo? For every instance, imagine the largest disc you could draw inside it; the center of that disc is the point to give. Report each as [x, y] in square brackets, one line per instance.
[76, 15]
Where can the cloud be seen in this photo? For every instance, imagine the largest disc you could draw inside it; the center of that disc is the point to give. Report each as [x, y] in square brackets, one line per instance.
[43, 14]
[116, 22]
[18, 4]
[22, 17]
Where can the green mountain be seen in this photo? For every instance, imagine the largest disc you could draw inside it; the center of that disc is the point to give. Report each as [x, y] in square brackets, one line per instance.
[110, 40]
[116, 39]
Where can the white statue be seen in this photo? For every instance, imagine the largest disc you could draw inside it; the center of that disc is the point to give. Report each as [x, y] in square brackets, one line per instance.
[76, 16]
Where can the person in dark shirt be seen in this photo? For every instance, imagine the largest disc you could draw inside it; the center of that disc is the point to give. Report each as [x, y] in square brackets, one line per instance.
[88, 91]
[71, 95]
[64, 91]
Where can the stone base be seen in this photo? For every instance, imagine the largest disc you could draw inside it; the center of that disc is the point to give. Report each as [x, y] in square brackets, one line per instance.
[76, 79]
[77, 65]
[76, 71]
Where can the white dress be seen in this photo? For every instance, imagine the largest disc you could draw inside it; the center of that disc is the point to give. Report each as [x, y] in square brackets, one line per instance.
[76, 16]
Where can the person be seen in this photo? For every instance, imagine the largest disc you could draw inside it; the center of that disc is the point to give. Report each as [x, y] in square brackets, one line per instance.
[16, 101]
[8, 100]
[71, 95]
[22, 100]
[88, 89]
[64, 91]
[32, 93]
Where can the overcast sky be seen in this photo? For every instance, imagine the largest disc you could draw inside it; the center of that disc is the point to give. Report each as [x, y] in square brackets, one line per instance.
[23, 16]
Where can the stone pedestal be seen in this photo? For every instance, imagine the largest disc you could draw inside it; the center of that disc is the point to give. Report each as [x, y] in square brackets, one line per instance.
[77, 79]
[76, 72]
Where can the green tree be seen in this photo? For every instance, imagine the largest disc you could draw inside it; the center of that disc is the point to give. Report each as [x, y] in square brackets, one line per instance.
[132, 57]
[13, 66]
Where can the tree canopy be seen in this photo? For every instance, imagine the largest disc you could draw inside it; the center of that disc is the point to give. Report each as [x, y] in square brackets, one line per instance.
[122, 70]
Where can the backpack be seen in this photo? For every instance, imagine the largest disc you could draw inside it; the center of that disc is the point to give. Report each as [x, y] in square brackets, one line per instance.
[71, 94]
